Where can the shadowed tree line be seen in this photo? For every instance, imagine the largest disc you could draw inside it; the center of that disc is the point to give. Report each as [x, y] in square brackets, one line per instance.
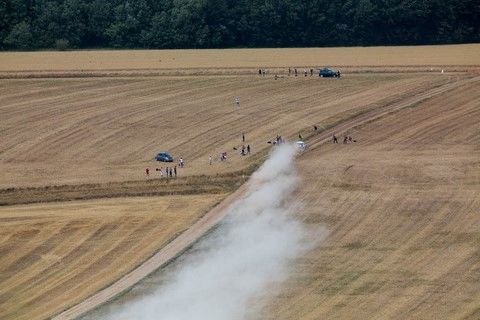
[63, 24]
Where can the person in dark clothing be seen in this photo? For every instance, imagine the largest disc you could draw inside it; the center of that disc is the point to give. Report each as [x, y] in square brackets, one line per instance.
[335, 140]
[166, 172]
[259, 72]
[311, 72]
[248, 149]
[315, 128]
[296, 72]
[300, 136]
[147, 172]
[175, 171]
[345, 139]
[243, 137]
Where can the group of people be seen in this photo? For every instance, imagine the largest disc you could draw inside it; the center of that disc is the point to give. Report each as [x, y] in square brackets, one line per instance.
[169, 172]
[277, 141]
[306, 72]
[245, 150]
[346, 139]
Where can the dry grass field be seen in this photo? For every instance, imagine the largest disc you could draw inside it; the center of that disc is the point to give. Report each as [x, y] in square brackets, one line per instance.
[451, 55]
[403, 207]
[402, 203]
[71, 131]
[54, 255]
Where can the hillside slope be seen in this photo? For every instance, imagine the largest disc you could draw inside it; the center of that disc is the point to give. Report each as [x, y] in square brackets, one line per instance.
[402, 204]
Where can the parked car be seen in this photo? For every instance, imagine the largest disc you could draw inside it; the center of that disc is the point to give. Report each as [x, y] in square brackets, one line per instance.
[164, 157]
[329, 73]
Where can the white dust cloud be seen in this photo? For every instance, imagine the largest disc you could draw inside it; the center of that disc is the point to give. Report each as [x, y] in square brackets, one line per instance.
[248, 252]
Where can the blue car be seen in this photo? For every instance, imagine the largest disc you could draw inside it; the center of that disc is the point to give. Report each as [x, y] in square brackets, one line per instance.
[328, 73]
[164, 157]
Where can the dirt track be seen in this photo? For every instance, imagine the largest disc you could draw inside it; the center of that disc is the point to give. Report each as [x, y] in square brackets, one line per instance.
[195, 232]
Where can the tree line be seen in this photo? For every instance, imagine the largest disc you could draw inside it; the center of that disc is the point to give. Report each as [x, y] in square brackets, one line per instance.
[64, 24]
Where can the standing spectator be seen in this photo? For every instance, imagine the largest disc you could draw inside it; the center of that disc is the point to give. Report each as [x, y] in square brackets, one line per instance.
[248, 149]
[243, 137]
[296, 72]
[305, 71]
[311, 72]
[335, 139]
[175, 171]
[289, 71]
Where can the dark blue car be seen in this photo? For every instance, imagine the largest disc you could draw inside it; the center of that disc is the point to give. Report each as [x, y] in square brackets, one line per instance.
[164, 157]
[328, 73]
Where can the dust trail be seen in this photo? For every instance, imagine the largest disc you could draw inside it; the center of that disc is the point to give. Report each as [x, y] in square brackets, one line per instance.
[248, 252]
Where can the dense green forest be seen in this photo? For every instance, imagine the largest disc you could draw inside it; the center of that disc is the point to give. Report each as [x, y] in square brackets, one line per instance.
[63, 24]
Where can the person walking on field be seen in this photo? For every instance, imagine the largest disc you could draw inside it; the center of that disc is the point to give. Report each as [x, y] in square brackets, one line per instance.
[210, 160]
[335, 139]
[243, 137]
[147, 172]
[175, 171]
[248, 149]
[237, 101]
[296, 72]
[160, 172]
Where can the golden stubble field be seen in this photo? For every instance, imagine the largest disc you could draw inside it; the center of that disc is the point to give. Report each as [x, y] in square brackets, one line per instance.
[70, 131]
[446, 55]
[403, 207]
[53, 255]
[400, 204]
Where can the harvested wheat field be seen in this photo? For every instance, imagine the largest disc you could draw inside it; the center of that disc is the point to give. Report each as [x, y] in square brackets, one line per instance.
[71, 131]
[54, 255]
[403, 208]
[445, 55]
[400, 204]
